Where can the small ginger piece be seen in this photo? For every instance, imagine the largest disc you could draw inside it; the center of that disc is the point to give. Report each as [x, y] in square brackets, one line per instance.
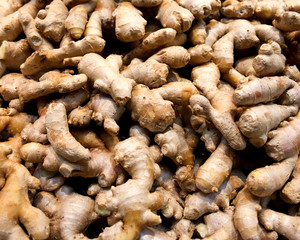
[13, 54]
[152, 233]
[238, 8]
[150, 43]
[218, 225]
[174, 145]
[51, 82]
[182, 229]
[261, 90]
[106, 10]
[269, 61]
[256, 122]
[77, 18]
[286, 225]
[287, 21]
[10, 27]
[246, 217]
[106, 77]
[284, 141]
[150, 73]
[171, 15]
[37, 132]
[60, 137]
[216, 168]
[130, 211]
[185, 178]
[174, 56]
[129, 23]
[51, 20]
[94, 25]
[15, 204]
[9, 6]
[15, 124]
[146, 3]
[70, 213]
[45, 60]
[201, 9]
[197, 33]
[102, 109]
[291, 193]
[263, 182]
[201, 53]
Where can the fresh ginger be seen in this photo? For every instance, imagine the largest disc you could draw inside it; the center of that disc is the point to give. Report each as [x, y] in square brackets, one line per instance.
[290, 193]
[69, 212]
[58, 134]
[286, 225]
[51, 20]
[132, 210]
[77, 18]
[13, 54]
[199, 8]
[94, 26]
[256, 122]
[171, 15]
[106, 77]
[102, 109]
[174, 145]
[145, 3]
[287, 21]
[216, 168]
[245, 217]
[129, 23]
[15, 205]
[51, 82]
[45, 60]
[9, 6]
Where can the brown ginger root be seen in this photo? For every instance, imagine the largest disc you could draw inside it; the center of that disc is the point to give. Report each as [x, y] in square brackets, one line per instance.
[13, 54]
[102, 109]
[130, 211]
[10, 27]
[152, 233]
[284, 141]
[246, 217]
[171, 15]
[129, 23]
[287, 21]
[150, 73]
[51, 82]
[34, 38]
[261, 90]
[216, 168]
[269, 61]
[256, 122]
[150, 43]
[37, 132]
[263, 182]
[15, 205]
[291, 193]
[145, 3]
[15, 124]
[182, 229]
[197, 33]
[201, 53]
[106, 77]
[69, 212]
[77, 18]
[93, 26]
[286, 225]
[106, 10]
[199, 8]
[174, 144]
[51, 20]
[46, 60]
[237, 8]
[9, 6]
[58, 135]
[218, 225]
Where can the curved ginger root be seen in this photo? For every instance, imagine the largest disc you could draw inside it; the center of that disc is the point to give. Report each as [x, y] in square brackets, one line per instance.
[70, 213]
[15, 205]
[131, 211]
[59, 136]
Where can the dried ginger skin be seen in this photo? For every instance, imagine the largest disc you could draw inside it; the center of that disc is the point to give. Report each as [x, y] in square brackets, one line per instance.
[59, 136]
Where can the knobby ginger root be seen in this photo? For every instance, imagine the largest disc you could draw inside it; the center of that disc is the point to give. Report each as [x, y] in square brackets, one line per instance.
[129, 23]
[70, 213]
[106, 77]
[51, 20]
[130, 211]
[58, 135]
[15, 205]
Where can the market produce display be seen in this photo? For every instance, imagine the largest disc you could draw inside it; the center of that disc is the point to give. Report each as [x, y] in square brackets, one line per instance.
[149, 119]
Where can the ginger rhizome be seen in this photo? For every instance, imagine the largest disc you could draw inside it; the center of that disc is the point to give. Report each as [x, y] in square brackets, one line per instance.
[15, 204]
[130, 211]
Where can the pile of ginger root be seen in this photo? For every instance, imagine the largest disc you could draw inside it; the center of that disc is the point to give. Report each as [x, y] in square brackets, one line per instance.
[149, 119]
